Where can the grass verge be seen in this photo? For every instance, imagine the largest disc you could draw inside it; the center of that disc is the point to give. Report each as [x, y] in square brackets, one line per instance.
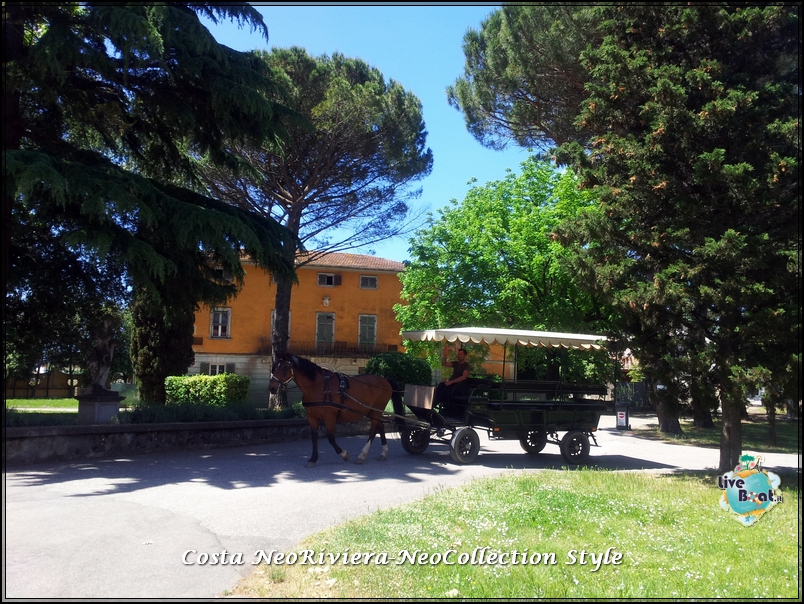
[756, 435]
[675, 540]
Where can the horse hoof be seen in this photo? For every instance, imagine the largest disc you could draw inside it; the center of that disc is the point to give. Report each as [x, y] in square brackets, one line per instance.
[382, 458]
[345, 456]
[309, 464]
[360, 460]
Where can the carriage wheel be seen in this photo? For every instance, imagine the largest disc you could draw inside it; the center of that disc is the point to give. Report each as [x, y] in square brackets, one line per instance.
[575, 447]
[464, 446]
[534, 441]
[414, 441]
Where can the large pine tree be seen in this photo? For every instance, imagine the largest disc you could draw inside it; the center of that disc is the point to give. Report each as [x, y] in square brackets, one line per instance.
[343, 183]
[108, 109]
[523, 81]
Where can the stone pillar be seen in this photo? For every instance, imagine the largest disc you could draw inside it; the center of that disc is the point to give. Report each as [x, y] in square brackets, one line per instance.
[98, 406]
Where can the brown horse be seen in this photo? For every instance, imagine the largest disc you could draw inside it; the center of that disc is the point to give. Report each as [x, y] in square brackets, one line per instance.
[332, 398]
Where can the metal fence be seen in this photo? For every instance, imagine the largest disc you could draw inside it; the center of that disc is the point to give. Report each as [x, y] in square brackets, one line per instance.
[338, 349]
[633, 393]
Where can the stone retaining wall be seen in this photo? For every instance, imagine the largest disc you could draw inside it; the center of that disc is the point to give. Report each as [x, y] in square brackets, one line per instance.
[28, 445]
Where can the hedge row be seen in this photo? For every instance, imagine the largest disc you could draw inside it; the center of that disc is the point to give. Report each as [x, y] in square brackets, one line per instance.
[221, 390]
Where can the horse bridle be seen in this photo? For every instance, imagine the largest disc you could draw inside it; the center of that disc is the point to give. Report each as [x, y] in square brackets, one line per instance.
[289, 374]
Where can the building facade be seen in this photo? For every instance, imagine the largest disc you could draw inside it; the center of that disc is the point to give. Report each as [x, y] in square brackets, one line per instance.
[341, 314]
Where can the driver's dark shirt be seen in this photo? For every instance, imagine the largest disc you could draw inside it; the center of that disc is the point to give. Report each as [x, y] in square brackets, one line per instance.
[458, 368]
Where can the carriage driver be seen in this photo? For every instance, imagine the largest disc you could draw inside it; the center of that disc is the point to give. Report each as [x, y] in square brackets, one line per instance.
[456, 384]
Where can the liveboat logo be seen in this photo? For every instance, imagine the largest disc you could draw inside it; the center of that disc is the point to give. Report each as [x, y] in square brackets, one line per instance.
[749, 491]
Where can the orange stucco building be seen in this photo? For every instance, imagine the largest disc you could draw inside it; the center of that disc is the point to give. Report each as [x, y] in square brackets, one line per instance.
[341, 314]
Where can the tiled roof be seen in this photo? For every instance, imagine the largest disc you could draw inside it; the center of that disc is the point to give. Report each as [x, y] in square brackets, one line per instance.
[353, 261]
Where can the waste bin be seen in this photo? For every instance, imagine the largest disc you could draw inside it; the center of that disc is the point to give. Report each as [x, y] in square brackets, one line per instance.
[621, 411]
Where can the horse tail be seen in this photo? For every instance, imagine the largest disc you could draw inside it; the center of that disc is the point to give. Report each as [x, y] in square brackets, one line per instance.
[396, 396]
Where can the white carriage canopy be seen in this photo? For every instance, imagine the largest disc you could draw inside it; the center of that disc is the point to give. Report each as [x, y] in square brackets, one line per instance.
[513, 337]
[508, 337]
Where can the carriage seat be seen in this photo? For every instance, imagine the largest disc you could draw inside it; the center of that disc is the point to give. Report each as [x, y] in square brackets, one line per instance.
[458, 402]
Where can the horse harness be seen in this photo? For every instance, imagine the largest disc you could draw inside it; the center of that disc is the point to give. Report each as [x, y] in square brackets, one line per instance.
[343, 385]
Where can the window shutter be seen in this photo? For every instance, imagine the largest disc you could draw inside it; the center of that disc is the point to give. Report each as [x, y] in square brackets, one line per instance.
[204, 368]
[338, 280]
[230, 367]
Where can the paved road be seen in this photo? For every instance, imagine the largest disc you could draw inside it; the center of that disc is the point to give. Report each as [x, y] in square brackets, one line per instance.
[119, 528]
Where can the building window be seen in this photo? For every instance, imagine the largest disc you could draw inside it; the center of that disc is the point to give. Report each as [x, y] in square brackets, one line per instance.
[221, 323]
[222, 274]
[328, 279]
[367, 334]
[325, 327]
[215, 368]
[368, 282]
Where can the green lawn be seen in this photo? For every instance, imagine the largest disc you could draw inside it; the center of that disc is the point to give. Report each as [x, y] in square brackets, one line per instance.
[667, 537]
[66, 404]
[41, 412]
[756, 435]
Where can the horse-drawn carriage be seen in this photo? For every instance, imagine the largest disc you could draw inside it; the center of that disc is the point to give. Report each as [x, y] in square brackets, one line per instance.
[532, 412]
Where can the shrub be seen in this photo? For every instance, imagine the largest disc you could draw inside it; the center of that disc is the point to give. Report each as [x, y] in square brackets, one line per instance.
[13, 418]
[150, 413]
[222, 390]
[404, 368]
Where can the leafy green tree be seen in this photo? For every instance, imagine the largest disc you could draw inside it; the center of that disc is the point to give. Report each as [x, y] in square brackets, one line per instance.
[107, 110]
[404, 368]
[523, 82]
[694, 160]
[54, 295]
[493, 261]
[343, 183]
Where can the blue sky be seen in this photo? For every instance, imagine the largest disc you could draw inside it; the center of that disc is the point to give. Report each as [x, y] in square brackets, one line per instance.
[418, 46]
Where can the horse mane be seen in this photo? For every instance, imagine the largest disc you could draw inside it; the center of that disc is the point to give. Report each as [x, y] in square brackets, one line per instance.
[307, 368]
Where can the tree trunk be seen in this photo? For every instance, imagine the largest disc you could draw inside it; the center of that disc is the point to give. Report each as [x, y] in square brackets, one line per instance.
[281, 327]
[667, 411]
[703, 400]
[702, 418]
[668, 424]
[731, 438]
[770, 406]
[281, 334]
[35, 383]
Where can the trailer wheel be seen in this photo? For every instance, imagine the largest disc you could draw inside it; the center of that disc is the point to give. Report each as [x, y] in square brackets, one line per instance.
[533, 441]
[464, 446]
[414, 441]
[575, 447]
